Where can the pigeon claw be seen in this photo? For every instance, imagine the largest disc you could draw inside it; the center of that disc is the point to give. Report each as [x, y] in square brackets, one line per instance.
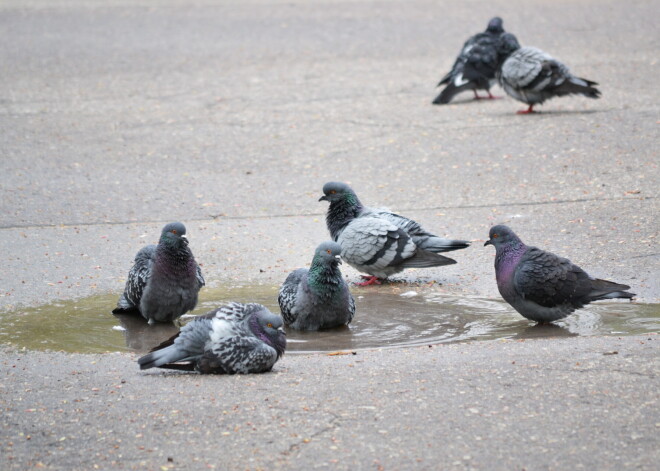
[529, 110]
[370, 280]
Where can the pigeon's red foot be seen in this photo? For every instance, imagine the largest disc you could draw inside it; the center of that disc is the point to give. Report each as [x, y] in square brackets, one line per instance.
[370, 280]
[527, 111]
[493, 97]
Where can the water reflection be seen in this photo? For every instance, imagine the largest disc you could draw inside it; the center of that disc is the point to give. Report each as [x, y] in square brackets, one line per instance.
[383, 319]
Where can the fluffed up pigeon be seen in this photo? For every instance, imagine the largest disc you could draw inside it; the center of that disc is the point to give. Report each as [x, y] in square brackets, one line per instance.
[475, 66]
[317, 298]
[165, 279]
[540, 285]
[533, 76]
[379, 242]
[236, 338]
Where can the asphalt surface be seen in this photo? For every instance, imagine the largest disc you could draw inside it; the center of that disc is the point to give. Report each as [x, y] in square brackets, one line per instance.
[117, 117]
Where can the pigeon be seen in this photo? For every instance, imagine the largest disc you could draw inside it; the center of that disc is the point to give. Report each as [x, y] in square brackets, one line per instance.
[533, 76]
[475, 66]
[165, 279]
[542, 286]
[236, 338]
[379, 242]
[317, 298]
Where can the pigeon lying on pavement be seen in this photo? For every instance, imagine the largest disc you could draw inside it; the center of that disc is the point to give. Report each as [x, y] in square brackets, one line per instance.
[317, 298]
[533, 76]
[379, 242]
[236, 338]
[165, 279]
[474, 68]
[540, 285]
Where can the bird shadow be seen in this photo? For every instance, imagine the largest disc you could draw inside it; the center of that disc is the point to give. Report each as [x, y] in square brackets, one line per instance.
[555, 113]
[543, 331]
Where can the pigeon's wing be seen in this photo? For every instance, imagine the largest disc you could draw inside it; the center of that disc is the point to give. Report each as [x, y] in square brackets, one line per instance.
[200, 277]
[183, 348]
[351, 307]
[420, 236]
[288, 294]
[409, 226]
[137, 279]
[239, 354]
[374, 241]
[529, 67]
[549, 280]
[483, 61]
[235, 312]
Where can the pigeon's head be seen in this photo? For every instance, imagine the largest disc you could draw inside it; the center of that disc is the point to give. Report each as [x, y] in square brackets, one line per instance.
[338, 192]
[174, 234]
[329, 253]
[507, 44]
[500, 236]
[268, 327]
[495, 26]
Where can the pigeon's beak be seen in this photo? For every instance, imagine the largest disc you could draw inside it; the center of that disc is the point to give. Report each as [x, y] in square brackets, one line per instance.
[338, 258]
[281, 330]
[488, 242]
[185, 239]
[324, 198]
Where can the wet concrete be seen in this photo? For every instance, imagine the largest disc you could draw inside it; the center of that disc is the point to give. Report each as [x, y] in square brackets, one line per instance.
[393, 315]
[117, 117]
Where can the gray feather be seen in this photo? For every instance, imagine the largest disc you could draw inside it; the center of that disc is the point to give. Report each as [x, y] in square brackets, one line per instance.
[165, 279]
[236, 338]
[541, 285]
[318, 297]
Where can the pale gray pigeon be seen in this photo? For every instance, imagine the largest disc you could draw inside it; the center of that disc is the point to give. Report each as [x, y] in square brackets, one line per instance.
[533, 76]
[474, 68]
[236, 338]
[540, 285]
[379, 242]
[317, 298]
[165, 279]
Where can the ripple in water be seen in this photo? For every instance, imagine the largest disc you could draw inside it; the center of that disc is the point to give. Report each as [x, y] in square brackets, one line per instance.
[383, 319]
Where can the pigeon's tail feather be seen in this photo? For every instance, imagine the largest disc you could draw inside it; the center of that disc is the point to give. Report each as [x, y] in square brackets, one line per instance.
[124, 306]
[425, 259]
[449, 93]
[603, 289]
[579, 86]
[158, 358]
[438, 244]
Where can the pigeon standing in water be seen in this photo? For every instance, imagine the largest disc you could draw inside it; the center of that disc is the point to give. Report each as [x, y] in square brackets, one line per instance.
[540, 285]
[533, 76]
[237, 338]
[379, 242]
[165, 279]
[317, 298]
[475, 66]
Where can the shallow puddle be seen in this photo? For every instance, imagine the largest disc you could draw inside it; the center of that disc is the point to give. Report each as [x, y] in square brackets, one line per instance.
[386, 316]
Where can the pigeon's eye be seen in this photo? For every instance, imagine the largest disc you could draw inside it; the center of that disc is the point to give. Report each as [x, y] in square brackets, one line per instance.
[173, 231]
[495, 236]
[269, 325]
[329, 251]
[332, 192]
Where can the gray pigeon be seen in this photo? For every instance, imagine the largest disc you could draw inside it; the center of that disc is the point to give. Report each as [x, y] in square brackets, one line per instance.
[236, 338]
[165, 279]
[533, 76]
[317, 298]
[540, 285]
[475, 66]
[379, 242]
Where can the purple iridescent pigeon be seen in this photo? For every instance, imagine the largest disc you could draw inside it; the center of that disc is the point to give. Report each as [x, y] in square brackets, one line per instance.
[542, 286]
[165, 279]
